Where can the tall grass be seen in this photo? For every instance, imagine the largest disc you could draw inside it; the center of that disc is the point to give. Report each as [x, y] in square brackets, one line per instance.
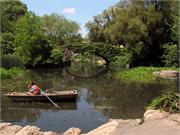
[9, 73]
[140, 74]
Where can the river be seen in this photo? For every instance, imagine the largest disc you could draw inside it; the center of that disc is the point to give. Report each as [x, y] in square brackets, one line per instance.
[99, 98]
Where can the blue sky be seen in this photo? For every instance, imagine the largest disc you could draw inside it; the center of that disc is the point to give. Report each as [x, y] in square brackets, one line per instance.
[80, 11]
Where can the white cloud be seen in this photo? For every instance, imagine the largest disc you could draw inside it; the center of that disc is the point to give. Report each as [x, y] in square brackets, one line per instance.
[69, 10]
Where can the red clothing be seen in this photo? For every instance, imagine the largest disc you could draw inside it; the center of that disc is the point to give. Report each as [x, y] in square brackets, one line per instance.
[35, 90]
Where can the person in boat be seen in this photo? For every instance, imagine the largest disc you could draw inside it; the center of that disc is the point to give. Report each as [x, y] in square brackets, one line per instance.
[33, 89]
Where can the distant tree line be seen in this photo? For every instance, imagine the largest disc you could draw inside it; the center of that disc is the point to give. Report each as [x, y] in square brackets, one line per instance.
[32, 38]
[148, 29]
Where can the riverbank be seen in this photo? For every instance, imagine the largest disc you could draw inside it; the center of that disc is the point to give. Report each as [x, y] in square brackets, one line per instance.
[141, 74]
[153, 122]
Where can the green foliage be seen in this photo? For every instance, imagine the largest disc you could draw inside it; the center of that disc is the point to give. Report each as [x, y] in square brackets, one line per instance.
[140, 74]
[106, 51]
[82, 58]
[31, 44]
[174, 26]
[33, 38]
[9, 73]
[60, 30]
[168, 102]
[140, 26]
[171, 55]
[9, 61]
[56, 56]
[11, 11]
[121, 61]
[7, 43]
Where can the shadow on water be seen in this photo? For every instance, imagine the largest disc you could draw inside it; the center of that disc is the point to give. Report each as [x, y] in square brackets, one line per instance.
[99, 99]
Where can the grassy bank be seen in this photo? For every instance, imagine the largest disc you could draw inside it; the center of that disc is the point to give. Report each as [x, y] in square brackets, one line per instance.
[9, 73]
[140, 74]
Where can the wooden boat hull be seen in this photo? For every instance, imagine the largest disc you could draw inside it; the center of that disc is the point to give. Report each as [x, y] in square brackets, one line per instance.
[55, 96]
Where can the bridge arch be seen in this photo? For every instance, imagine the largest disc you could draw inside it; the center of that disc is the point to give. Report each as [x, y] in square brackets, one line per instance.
[105, 51]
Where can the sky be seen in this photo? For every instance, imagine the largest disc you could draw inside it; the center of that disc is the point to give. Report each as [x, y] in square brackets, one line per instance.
[80, 11]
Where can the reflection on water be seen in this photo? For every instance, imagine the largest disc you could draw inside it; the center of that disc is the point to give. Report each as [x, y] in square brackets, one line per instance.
[100, 98]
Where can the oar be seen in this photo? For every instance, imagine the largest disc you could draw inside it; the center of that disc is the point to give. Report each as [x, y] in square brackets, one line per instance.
[57, 106]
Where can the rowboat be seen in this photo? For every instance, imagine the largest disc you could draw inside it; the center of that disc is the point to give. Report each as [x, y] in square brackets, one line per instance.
[54, 95]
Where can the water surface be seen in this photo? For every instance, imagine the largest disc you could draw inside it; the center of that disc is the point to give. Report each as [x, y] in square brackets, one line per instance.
[100, 98]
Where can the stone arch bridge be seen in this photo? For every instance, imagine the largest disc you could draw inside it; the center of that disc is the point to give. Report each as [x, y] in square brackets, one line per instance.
[105, 51]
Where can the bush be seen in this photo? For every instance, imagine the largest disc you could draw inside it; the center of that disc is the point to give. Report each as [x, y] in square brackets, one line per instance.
[9, 61]
[9, 73]
[7, 42]
[82, 58]
[5, 74]
[55, 57]
[168, 102]
[171, 55]
[121, 61]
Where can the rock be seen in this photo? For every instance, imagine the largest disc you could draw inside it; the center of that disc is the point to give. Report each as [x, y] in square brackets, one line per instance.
[154, 114]
[114, 125]
[10, 130]
[122, 122]
[156, 73]
[105, 129]
[153, 127]
[72, 131]
[167, 73]
[175, 117]
[49, 133]
[30, 130]
[4, 125]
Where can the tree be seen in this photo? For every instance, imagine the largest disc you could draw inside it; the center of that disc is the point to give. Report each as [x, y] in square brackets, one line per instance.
[97, 26]
[11, 12]
[31, 44]
[141, 26]
[60, 30]
[174, 26]
[170, 55]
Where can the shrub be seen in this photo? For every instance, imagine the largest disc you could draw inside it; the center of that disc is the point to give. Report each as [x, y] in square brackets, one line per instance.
[168, 102]
[121, 61]
[82, 58]
[4, 74]
[8, 61]
[7, 42]
[9, 73]
[55, 57]
[171, 55]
